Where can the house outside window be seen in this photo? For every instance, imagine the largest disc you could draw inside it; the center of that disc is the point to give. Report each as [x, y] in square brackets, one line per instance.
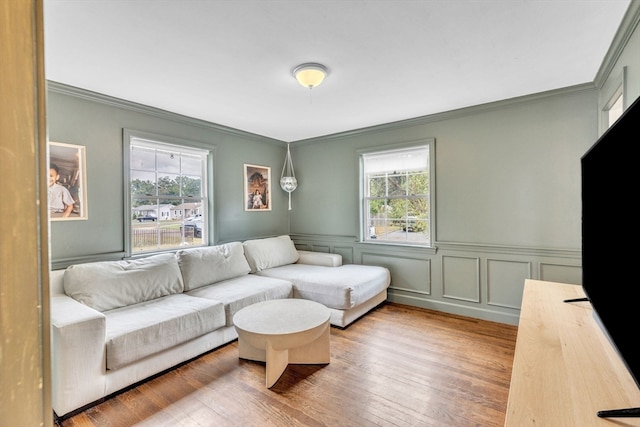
[167, 189]
[397, 188]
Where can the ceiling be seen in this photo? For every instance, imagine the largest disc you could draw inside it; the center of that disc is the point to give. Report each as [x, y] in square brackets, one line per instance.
[229, 61]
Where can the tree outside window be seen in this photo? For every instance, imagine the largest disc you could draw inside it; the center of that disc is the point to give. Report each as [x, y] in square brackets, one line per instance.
[168, 199]
[397, 196]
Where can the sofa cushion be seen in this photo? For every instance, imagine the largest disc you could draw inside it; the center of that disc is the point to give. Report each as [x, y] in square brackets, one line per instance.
[204, 266]
[143, 329]
[341, 287]
[242, 291]
[111, 284]
[270, 252]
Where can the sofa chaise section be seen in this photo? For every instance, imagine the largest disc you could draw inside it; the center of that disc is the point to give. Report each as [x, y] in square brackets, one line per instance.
[349, 291]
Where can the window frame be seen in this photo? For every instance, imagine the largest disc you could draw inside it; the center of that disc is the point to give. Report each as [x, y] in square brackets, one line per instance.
[617, 100]
[429, 143]
[619, 85]
[180, 144]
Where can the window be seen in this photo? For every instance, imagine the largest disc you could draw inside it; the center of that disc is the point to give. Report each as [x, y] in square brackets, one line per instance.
[614, 105]
[397, 188]
[167, 194]
[614, 110]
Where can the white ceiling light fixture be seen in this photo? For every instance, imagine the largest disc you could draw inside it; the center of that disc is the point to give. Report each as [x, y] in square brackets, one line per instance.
[310, 74]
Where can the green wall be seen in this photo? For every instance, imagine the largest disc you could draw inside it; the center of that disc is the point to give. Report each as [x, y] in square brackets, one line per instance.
[506, 173]
[97, 122]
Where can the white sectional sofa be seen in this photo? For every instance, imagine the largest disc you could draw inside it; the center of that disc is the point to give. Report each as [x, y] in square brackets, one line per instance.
[116, 323]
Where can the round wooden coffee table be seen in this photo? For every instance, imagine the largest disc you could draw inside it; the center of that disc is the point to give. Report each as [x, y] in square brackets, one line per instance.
[283, 331]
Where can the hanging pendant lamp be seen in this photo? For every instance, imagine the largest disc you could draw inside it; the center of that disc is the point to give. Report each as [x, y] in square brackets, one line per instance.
[288, 180]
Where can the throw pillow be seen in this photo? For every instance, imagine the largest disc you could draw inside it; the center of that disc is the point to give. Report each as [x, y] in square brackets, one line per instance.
[270, 252]
[204, 266]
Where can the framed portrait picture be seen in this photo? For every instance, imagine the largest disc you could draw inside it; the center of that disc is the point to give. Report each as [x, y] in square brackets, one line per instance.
[257, 188]
[67, 182]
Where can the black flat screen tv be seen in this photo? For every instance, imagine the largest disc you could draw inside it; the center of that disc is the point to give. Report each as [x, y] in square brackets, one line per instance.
[610, 181]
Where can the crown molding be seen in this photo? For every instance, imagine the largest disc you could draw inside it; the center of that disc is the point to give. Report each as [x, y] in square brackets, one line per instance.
[453, 114]
[76, 92]
[627, 26]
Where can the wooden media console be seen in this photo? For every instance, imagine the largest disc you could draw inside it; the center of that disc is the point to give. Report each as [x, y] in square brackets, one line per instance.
[565, 369]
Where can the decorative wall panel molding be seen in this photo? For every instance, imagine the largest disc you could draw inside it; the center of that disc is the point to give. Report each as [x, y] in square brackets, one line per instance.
[321, 248]
[482, 281]
[461, 278]
[505, 282]
[410, 275]
[346, 252]
[562, 273]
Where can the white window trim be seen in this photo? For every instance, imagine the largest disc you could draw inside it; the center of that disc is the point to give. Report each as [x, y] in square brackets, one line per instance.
[618, 92]
[431, 142]
[157, 139]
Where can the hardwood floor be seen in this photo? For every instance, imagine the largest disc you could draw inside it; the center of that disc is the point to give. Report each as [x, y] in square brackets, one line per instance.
[397, 366]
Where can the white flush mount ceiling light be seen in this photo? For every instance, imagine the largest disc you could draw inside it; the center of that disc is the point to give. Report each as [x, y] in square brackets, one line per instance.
[310, 74]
